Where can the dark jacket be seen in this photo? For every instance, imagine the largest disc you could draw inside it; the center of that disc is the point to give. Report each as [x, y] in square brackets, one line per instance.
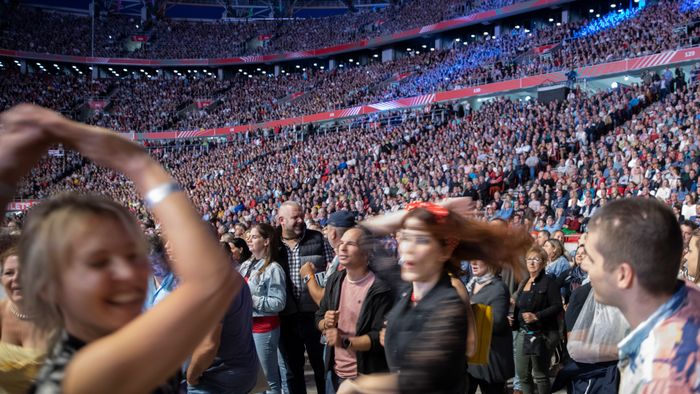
[428, 342]
[311, 249]
[500, 366]
[543, 299]
[377, 304]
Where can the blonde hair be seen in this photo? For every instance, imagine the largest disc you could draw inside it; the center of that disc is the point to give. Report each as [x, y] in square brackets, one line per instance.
[45, 249]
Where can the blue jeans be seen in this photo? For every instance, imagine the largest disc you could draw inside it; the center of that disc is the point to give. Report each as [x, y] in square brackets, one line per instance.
[225, 382]
[266, 345]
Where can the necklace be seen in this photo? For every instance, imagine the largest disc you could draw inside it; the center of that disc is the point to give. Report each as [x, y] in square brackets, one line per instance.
[21, 316]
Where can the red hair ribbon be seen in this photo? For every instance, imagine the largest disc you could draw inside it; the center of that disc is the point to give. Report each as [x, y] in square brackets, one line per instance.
[438, 211]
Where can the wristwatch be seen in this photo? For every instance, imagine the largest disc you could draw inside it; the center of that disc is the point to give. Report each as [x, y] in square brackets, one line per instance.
[346, 343]
[307, 278]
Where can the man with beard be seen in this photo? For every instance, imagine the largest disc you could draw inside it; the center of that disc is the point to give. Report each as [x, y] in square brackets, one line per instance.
[298, 327]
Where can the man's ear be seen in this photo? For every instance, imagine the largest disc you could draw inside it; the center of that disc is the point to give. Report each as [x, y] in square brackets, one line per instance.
[624, 276]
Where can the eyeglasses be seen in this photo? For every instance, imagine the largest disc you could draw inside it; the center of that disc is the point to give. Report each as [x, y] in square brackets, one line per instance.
[534, 260]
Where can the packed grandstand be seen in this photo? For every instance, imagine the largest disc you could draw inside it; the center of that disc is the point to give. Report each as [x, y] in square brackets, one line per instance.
[541, 111]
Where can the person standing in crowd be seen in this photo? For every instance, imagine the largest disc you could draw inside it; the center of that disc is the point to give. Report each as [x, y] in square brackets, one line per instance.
[426, 334]
[486, 288]
[298, 328]
[85, 267]
[542, 237]
[634, 249]
[225, 361]
[22, 346]
[557, 263]
[239, 248]
[572, 278]
[338, 223]
[265, 278]
[692, 258]
[535, 319]
[352, 313]
[163, 280]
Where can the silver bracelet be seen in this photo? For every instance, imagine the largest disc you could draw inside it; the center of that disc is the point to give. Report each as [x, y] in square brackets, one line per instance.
[159, 193]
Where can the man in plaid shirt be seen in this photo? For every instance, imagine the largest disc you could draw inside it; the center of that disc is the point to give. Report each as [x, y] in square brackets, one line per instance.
[298, 331]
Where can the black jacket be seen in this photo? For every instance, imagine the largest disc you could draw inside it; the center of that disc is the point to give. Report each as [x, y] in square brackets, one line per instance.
[311, 249]
[377, 304]
[543, 299]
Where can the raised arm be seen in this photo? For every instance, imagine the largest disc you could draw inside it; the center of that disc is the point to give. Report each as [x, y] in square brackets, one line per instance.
[153, 346]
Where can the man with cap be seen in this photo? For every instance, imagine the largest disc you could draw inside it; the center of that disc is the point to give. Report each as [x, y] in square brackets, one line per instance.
[338, 223]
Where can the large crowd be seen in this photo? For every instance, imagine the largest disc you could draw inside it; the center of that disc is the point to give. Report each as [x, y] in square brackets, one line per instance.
[482, 60]
[168, 39]
[408, 251]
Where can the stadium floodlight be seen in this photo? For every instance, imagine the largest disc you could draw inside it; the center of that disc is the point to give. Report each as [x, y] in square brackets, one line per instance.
[298, 66]
[375, 55]
[591, 11]
[110, 69]
[322, 67]
[417, 53]
[351, 60]
[424, 46]
[458, 39]
[486, 33]
[264, 72]
[55, 65]
[613, 5]
[258, 68]
[432, 49]
[473, 35]
[551, 19]
[558, 23]
[125, 70]
[315, 64]
[614, 85]
[517, 26]
[39, 64]
[144, 71]
[250, 76]
[90, 68]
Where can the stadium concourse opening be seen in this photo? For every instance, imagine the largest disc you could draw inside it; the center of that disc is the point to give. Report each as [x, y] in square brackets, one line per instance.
[351, 196]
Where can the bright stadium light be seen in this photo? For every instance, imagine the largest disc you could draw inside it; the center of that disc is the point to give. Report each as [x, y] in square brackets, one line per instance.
[458, 39]
[298, 66]
[597, 15]
[486, 33]
[315, 64]
[591, 11]
[614, 85]
[517, 26]
[258, 68]
[424, 46]
[351, 60]
[375, 55]
[551, 19]
[613, 5]
[432, 49]
[125, 70]
[558, 23]
[408, 49]
[322, 67]
[473, 35]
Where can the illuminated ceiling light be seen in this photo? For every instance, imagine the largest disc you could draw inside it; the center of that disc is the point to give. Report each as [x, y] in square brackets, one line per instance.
[551, 19]
[315, 64]
[517, 26]
[458, 39]
[350, 60]
[613, 5]
[473, 36]
[408, 49]
[558, 23]
[375, 55]
[527, 30]
[258, 68]
[597, 15]
[432, 49]
[486, 33]
[591, 11]
[424, 46]
[298, 66]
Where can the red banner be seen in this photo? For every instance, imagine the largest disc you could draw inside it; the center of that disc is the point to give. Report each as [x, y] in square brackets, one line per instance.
[97, 104]
[140, 38]
[203, 103]
[265, 37]
[21, 206]
[544, 48]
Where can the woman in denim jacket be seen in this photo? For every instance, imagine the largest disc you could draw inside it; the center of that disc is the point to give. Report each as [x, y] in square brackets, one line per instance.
[265, 278]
